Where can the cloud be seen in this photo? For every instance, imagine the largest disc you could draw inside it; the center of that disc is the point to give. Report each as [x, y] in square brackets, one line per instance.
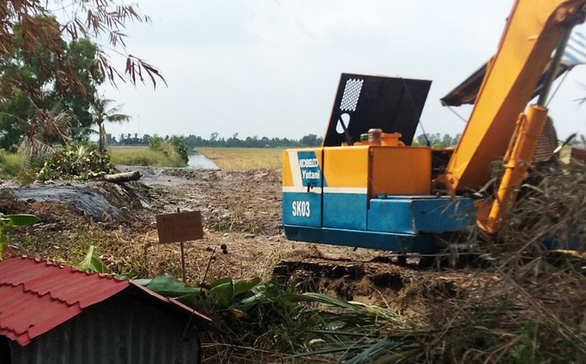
[271, 67]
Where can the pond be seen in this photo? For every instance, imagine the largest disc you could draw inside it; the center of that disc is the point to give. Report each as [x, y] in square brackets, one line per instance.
[199, 161]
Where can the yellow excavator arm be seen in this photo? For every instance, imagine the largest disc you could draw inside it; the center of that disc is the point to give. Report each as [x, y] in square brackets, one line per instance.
[533, 30]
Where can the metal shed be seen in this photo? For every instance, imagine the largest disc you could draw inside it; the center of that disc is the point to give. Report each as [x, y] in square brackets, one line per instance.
[55, 314]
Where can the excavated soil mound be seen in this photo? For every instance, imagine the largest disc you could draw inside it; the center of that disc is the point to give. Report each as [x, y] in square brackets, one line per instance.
[99, 201]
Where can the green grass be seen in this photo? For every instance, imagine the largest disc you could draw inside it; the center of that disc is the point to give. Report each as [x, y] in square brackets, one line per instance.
[143, 156]
[244, 158]
[10, 165]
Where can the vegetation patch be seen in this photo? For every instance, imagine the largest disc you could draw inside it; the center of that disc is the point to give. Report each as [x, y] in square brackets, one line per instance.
[144, 156]
[174, 148]
[79, 162]
[10, 165]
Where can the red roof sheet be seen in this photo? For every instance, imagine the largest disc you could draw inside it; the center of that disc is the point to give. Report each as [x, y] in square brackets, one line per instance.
[36, 296]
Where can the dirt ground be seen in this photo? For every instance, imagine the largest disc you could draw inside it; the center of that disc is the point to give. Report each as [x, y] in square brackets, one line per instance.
[477, 312]
[243, 234]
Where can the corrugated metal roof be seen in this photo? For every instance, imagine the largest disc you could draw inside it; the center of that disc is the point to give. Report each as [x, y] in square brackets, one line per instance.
[36, 296]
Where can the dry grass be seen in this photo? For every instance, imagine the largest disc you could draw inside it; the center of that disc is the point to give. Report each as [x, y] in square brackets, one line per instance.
[532, 311]
[244, 158]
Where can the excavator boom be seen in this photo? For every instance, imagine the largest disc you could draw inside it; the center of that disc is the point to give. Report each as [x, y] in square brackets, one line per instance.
[533, 31]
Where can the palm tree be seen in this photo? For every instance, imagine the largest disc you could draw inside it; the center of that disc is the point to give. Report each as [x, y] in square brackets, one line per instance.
[101, 114]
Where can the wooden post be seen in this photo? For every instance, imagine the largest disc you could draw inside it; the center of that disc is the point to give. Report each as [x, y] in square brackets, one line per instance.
[182, 263]
[182, 256]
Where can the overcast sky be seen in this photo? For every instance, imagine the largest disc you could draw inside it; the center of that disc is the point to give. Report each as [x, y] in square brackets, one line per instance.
[271, 67]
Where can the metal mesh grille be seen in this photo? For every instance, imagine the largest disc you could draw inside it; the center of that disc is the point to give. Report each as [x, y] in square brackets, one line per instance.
[351, 94]
[546, 143]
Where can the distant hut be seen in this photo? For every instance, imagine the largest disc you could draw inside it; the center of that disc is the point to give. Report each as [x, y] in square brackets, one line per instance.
[55, 314]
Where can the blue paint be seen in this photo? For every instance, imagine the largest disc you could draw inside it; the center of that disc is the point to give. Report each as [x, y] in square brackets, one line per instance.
[302, 209]
[422, 243]
[311, 173]
[576, 242]
[443, 214]
[399, 223]
[416, 214]
[387, 216]
[345, 210]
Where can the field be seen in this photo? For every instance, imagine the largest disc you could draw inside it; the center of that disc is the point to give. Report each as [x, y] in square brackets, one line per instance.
[244, 158]
[224, 158]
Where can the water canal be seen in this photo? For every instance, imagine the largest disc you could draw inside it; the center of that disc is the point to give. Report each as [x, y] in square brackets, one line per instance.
[199, 161]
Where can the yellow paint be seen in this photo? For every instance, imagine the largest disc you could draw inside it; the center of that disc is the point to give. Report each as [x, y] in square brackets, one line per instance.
[379, 169]
[287, 177]
[529, 127]
[392, 140]
[346, 166]
[532, 32]
[400, 171]
[289, 169]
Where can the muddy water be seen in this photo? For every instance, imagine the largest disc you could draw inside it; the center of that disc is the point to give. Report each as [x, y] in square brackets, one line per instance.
[199, 161]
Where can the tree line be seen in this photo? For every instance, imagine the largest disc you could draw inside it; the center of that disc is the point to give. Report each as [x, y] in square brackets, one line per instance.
[437, 140]
[310, 140]
[194, 141]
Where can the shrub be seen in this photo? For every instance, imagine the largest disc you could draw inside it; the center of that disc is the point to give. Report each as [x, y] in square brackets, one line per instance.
[180, 147]
[80, 162]
[174, 148]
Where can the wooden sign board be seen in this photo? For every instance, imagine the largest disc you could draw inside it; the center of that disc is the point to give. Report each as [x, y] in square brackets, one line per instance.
[182, 226]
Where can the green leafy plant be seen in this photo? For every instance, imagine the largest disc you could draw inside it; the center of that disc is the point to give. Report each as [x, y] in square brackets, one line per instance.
[174, 148]
[79, 162]
[228, 292]
[92, 262]
[180, 147]
[13, 221]
[168, 286]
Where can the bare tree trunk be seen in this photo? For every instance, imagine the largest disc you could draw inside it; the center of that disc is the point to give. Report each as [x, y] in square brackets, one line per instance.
[102, 140]
[122, 177]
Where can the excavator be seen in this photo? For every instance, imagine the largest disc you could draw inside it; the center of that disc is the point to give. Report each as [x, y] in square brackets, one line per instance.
[369, 186]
